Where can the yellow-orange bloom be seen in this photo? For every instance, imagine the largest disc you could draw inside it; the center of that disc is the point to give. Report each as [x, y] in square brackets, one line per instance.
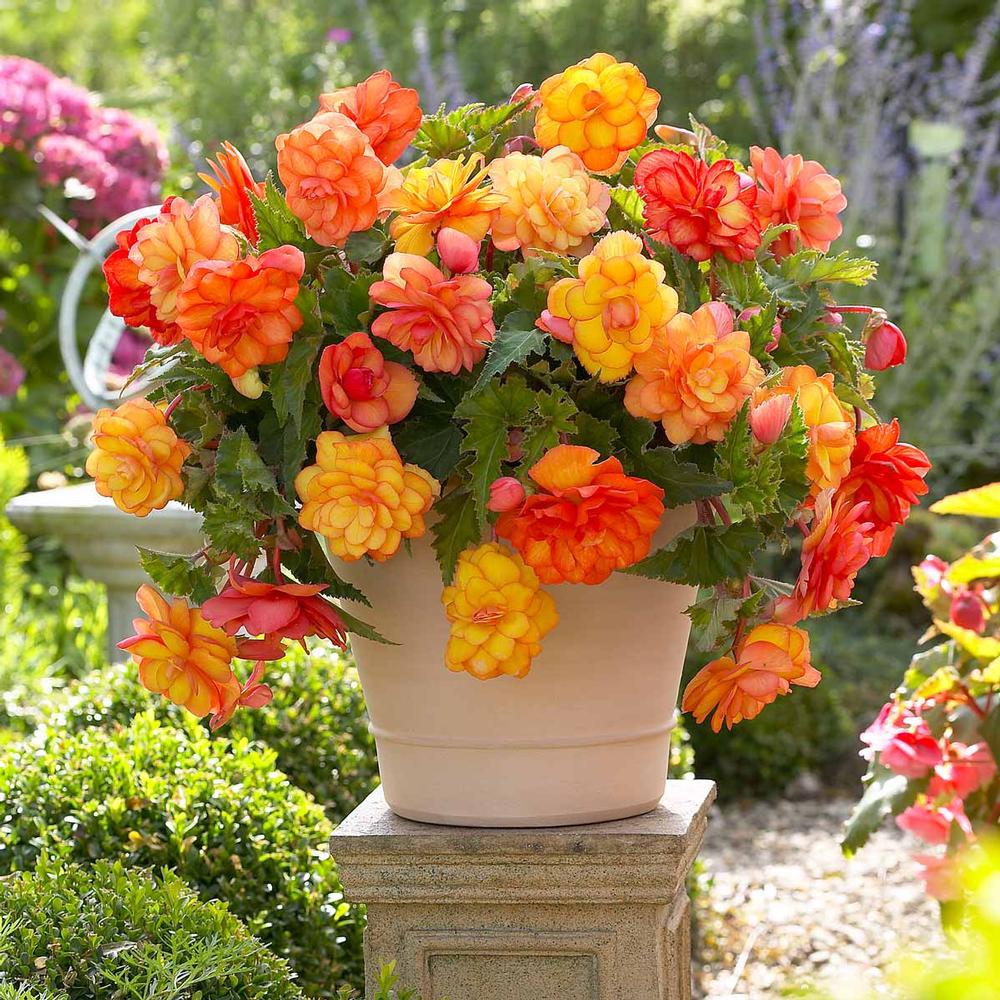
[552, 203]
[498, 612]
[696, 376]
[234, 183]
[137, 457]
[445, 195]
[599, 108]
[614, 310]
[242, 314]
[831, 428]
[167, 248]
[361, 497]
[768, 662]
[182, 656]
[334, 181]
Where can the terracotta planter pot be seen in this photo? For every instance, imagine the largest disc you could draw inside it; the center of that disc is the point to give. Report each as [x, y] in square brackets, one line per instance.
[583, 738]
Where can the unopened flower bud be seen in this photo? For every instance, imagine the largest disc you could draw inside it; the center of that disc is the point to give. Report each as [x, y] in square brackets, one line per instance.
[968, 610]
[934, 568]
[886, 347]
[249, 384]
[769, 419]
[506, 493]
[557, 326]
[522, 92]
[458, 252]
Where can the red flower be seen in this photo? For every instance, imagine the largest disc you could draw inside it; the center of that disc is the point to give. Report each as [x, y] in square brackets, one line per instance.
[968, 610]
[885, 347]
[889, 476]
[234, 183]
[701, 210]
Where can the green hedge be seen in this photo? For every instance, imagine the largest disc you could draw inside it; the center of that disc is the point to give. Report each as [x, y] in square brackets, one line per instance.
[103, 932]
[216, 812]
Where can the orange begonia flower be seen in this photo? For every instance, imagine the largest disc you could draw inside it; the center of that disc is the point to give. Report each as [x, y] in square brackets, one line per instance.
[182, 656]
[552, 203]
[590, 519]
[446, 322]
[498, 612]
[793, 190]
[599, 108]
[700, 210]
[837, 546]
[242, 314]
[333, 180]
[361, 497]
[831, 428]
[889, 476]
[233, 184]
[445, 195]
[614, 310]
[167, 248]
[386, 112]
[696, 376]
[361, 387]
[137, 457]
[768, 662]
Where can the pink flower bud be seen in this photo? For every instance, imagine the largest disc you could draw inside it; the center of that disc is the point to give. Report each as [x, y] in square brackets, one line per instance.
[968, 610]
[934, 569]
[557, 326]
[769, 419]
[458, 252]
[522, 92]
[506, 493]
[886, 347]
[832, 318]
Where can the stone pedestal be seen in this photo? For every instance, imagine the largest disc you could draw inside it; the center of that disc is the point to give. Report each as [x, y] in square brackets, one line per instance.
[595, 912]
[102, 542]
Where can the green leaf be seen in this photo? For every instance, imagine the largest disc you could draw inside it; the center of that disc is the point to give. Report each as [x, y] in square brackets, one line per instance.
[887, 793]
[357, 627]
[597, 434]
[713, 621]
[704, 555]
[455, 529]
[178, 574]
[626, 210]
[761, 327]
[517, 338]
[229, 532]
[811, 266]
[771, 234]
[990, 729]
[681, 482]
[551, 416]
[344, 302]
[433, 445]
[242, 476]
[756, 479]
[275, 222]
[471, 127]
[792, 453]
[290, 379]
[367, 246]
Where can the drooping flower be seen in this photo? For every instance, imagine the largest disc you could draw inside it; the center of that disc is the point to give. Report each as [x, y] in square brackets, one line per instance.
[932, 821]
[446, 323]
[889, 475]
[964, 768]
[599, 108]
[837, 546]
[552, 203]
[386, 112]
[498, 612]
[137, 457]
[333, 180]
[182, 656]
[242, 314]
[696, 376]
[768, 662]
[167, 248]
[506, 493]
[588, 520]
[940, 876]
[446, 195]
[361, 497]
[885, 347]
[831, 429]
[361, 387]
[614, 310]
[903, 742]
[793, 190]
[698, 209]
[233, 184]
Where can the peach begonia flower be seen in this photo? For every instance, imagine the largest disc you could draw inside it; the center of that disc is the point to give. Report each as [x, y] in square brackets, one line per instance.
[614, 310]
[830, 425]
[333, 180]
[446, 323]
[361, 387]
[233, 184]
[768, 662]
[128, 297]
[588, 519]
[182, 656]
[698, 209]
[137, 457]
[242, 314]
[386, 112]
[445, 195]
[696, 376]
[361, 497]
[599, 108]
[793, 190]
[167, 248]
[837, 546]
[552, 203]
[498, 612]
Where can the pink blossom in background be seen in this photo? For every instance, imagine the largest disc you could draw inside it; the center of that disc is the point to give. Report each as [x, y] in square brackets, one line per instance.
[11, 374]
[24, 102]
[129, 352]
[339, 36]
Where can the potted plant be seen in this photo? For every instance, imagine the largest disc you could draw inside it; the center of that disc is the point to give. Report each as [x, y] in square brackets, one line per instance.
[521, 410]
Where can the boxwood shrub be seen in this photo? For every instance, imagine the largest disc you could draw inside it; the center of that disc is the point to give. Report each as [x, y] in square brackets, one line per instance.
[103, 932]
[215, 811]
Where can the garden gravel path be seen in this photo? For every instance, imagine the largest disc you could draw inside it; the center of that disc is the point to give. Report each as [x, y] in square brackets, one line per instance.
[786, 908]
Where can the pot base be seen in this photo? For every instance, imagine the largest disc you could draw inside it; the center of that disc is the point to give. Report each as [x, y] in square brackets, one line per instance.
[525, 822]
